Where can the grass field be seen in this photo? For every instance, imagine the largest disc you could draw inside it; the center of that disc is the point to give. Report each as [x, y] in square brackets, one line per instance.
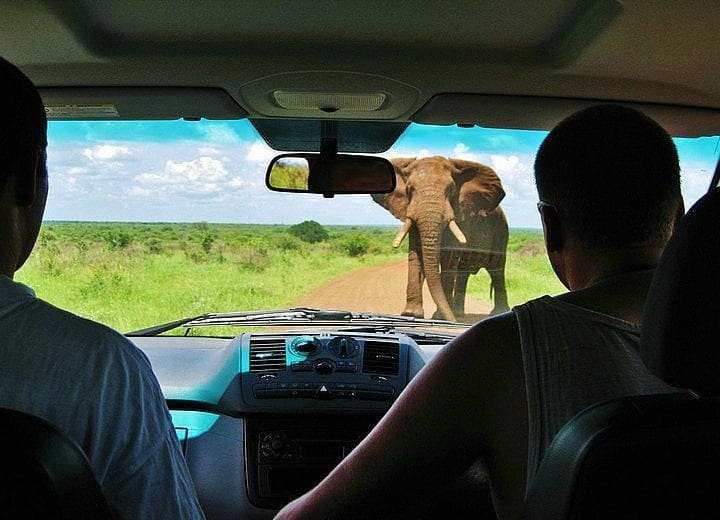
[132, 275]
[528, 273]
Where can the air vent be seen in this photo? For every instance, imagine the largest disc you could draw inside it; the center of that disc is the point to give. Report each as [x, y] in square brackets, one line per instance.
[267, 354]
[381, 357]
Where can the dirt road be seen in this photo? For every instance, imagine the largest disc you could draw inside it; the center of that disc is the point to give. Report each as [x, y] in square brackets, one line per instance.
[380, 289]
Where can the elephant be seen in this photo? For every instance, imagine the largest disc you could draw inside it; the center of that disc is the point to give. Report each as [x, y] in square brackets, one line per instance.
[450, 210]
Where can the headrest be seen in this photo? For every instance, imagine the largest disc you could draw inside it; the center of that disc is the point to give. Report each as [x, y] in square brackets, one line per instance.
[681, 326]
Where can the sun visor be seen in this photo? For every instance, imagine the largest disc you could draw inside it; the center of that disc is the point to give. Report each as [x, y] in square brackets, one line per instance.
[305, 135]
[543, 113]
[139, 103]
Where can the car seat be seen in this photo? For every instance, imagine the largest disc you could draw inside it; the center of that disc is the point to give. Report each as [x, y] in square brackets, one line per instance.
[44, 473]
[653, 456]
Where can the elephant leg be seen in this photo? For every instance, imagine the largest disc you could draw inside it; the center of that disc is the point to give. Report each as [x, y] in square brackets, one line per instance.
[416, 278]
[458, 302]
[496, 264]
[447, 279]
[497, 277]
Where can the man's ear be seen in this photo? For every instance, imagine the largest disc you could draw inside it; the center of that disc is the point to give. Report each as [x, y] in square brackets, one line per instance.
[552, 229]
[27, 172]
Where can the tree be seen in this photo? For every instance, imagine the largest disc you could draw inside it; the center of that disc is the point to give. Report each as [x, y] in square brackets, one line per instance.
[309, 231]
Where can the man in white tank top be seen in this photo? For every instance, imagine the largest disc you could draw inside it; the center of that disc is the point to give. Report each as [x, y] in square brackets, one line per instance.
[609, 187]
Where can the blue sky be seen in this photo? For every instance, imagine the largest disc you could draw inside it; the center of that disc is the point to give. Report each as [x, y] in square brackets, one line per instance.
[179, 171]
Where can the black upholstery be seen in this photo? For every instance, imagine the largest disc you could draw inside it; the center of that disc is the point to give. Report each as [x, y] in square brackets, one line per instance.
[682, 316]
[653, 456]
[45, 474]
[636, 457]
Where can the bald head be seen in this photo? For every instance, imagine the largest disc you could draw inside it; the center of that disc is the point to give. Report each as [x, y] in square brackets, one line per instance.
[613, 175]
[23, 124]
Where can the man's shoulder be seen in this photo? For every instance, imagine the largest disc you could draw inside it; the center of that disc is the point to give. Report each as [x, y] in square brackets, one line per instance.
[496, 330]
[80, 332]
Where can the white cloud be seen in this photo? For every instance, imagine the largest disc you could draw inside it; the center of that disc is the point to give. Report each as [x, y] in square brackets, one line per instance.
[260, 152]
[462, 151]
[504, 163]
[205, 167]
[105, 152]
[200, 177]
[154, 179]
[137, 191]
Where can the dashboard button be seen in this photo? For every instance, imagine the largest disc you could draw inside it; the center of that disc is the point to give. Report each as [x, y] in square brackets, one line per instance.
[346, 366]
[323, 392]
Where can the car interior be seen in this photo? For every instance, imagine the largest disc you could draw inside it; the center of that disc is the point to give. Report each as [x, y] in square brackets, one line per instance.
[264, 415]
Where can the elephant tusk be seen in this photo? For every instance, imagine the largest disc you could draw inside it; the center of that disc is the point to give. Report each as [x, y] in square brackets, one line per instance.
[456, 231]
[403, 231]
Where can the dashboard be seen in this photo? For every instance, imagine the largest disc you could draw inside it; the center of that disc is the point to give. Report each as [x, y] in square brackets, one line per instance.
[263, 417]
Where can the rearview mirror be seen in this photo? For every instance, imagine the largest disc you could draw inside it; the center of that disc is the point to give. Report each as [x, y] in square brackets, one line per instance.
[330, 174]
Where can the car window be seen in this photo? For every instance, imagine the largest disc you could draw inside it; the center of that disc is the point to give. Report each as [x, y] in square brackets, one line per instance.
[149, 222]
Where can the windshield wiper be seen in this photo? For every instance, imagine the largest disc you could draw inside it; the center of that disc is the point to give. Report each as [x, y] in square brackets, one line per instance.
[295, 316]
[306, 315]
[163, 327]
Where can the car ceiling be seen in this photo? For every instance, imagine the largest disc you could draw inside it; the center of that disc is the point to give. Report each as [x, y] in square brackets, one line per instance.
[509, 63]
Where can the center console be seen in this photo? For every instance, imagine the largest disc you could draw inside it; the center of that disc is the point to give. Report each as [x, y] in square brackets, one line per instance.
[286, 456]
[326, 391]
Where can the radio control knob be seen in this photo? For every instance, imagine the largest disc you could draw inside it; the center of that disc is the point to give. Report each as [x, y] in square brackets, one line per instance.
[276, 444]
[324, 367]
[305, 345]
[344, 347]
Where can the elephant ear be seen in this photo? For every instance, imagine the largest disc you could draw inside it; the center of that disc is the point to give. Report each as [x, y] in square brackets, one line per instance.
[479, 188]
[397, 201]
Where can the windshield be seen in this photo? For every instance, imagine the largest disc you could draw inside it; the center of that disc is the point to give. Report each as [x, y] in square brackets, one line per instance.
[150, 222]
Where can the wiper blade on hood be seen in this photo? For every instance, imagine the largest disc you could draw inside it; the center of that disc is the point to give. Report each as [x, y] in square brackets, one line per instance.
[164, 327]
[308, 315]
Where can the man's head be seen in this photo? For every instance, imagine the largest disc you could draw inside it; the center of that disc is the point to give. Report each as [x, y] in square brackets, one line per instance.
[23, 172]
[612, 174]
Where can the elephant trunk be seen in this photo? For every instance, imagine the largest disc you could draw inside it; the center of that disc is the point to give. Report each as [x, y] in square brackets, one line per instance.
[431, 231]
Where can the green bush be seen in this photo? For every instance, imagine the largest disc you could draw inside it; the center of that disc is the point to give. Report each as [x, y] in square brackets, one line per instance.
[253, 260]
[288, 243]
[356, 245]
[154, 245]
[207, 240]
[119, 239]
[309, 231]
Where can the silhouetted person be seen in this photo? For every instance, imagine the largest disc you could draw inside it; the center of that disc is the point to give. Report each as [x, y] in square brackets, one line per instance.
[609, 184]
[86, 379]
